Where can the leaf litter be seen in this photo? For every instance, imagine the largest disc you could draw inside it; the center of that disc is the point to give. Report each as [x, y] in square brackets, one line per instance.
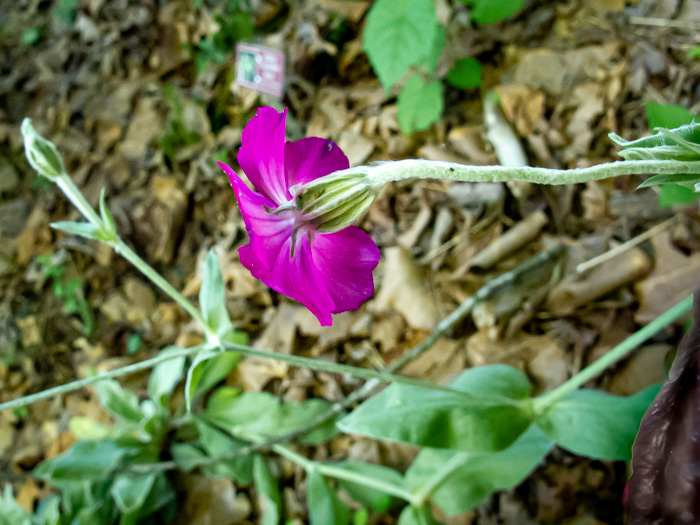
[121, 94]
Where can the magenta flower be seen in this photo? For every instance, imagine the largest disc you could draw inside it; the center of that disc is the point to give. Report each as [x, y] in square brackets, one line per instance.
[327, 272]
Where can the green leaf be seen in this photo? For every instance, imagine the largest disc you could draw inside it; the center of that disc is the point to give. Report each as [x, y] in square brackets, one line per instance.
[268, 492]
[595, 424]
[466, 73]
[667, 115]
[212, 296]
[370, 497]
[430, 60]
[84, 461]
[259, 416]
[130, 493]
[218, 444]
[397, 35]
[165, 376]
[121, 403]
[83, 229]
[490, 11]
[87, 429]
[209, 367]
[418, 516]
[672, 194]
[477, 475]
[186, 457]
[11, 512]
[491, 421]
[420, 104]
[107, 219]
[666, 178]
[324, 506]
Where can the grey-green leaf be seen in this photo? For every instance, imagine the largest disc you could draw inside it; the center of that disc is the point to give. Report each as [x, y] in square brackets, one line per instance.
[165, 376]
[84, 461]
[595, 424]
[212, 296]
[324, 506]
[397, 35]
[208, 368]
[83, 229]
[268, 492]
[121, 403]
[477, 475]
[493, 419]
[130, 492]
[370, 497]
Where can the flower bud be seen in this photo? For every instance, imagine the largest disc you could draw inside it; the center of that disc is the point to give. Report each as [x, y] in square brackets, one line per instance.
[336, 201]
[41, 154]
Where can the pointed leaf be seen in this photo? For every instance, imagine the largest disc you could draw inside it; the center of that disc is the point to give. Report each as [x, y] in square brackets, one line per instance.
[165, 376]
[212, 296]
[324, 506]
[122, 403]
[268, 492]
[83, 229]
[370, 497]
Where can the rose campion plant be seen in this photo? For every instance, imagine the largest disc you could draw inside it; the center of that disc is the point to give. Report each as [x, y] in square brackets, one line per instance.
[327, 272]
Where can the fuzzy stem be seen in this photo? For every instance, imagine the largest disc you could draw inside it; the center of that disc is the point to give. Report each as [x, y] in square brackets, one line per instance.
[382, 173]
[611, 357]
[75, 385]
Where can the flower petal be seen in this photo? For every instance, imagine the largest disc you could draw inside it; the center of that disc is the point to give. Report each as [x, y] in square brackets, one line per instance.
[261, 156]
[266, 231]
[310, 158]
[344, 262]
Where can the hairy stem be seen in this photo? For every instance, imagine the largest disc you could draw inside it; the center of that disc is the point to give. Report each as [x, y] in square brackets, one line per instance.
[614, 355]
[381, 174]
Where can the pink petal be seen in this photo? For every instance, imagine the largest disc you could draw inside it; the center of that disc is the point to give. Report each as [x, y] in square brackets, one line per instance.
[344, 261]
[261, 156]
[310, 158]
[266, 231]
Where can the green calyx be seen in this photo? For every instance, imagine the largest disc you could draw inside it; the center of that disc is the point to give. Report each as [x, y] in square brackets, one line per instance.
[336, 201]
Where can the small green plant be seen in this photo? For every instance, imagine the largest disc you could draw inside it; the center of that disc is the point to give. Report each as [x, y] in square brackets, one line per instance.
[406, 36]
[235, 24]
[71, 291]
[177, 136]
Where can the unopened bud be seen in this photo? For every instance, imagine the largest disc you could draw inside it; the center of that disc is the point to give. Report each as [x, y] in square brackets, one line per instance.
[41, 154]
[336, 201]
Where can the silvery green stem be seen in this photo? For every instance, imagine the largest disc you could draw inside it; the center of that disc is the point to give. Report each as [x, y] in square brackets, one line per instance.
[382, 173]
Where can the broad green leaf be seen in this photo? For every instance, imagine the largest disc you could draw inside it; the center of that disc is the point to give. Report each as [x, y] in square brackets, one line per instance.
[370, 497]
[217, 444]
[130, 493]
[466, 73]
[595, 424]
[430, 60]
[490, 421]
[87, 429]
[212, 296]
[420, 104]
[165, 376]
[324, 506]
[490, 11]
[161, 494]
[672, 194]
[121, 403]
[667, 115]
[83, 229]
[397, 35]
[477, 475]
[11, 512]
[418, 516]
[259, 416]
[268, 492]
[209, 367]
[84, 461]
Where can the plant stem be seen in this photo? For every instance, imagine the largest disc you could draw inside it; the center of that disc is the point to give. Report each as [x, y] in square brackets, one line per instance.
[75, 385]
[615, 354]
[381, 174]
[438, 477]
[332, 471]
